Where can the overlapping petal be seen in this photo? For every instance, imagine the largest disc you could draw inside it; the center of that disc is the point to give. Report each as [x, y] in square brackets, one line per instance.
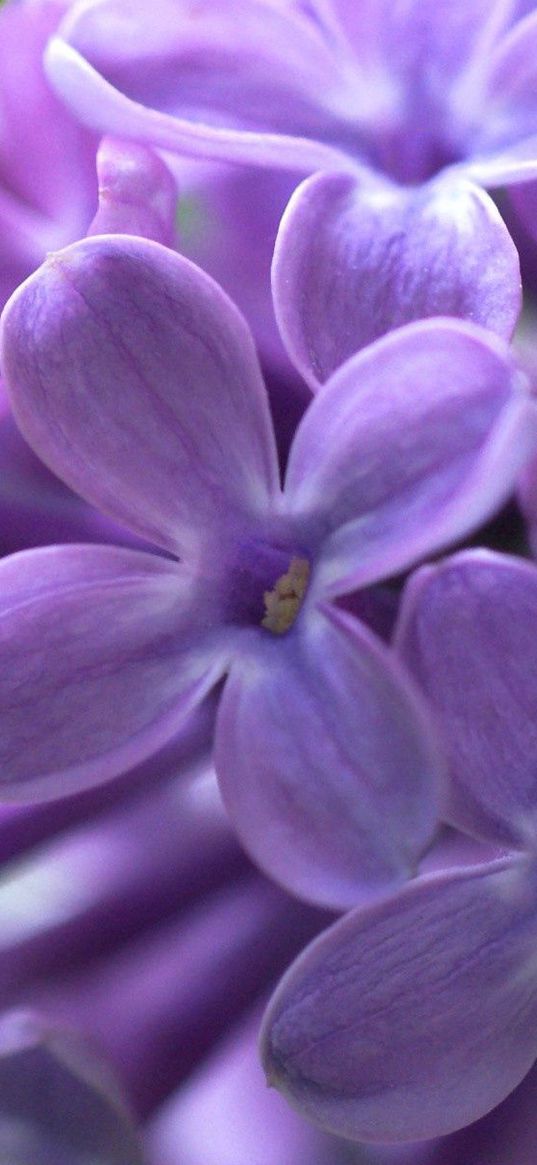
[101, 663]
[410, 445]
[416, 1015]
[280, 73]
[356, 258]
[136, 380]
[465, 632]
[327, 765]
[99, 105]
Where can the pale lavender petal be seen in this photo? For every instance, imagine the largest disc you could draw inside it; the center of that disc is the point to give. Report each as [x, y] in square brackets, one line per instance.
[355, 259]
[136, 380]
[280, 74]
[137, 193]
[102, 662]
[97, 104]
[417, 1015]
[414, 442]
[326, 762]
[463, 631]
[58, 1102]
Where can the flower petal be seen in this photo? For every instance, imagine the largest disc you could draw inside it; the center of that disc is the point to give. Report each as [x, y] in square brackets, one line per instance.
[355, 259]
[57, 1101]
[416, 1015]
[463, 632]
[409, 446]
[137, 194]
[97, 104]
[136, 380]
[100, 665]
[325, 760]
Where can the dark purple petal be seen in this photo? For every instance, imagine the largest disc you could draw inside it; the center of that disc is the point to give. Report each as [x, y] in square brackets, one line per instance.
[58, 1103]
[414, 1016]
[136, 380]
[355, 259]
[102, 662]
[97, 104]
[414, 442]
[325, 760]
[137, 193]
[465, 633]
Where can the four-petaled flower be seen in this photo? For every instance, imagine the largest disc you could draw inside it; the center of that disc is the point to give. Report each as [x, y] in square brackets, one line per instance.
[136, 379]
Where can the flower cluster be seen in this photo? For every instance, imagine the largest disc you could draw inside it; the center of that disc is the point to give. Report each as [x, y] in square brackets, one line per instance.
[268, 489]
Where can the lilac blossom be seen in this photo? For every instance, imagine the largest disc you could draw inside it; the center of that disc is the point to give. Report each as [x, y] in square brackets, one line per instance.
[136, 380]
[415, 1016]
[402, 114]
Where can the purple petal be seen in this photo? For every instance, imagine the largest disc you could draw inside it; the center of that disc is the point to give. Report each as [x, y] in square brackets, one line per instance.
[505, 140]
[58, 1103]
[97, 104]
[354, 260]
[463, 631]
[101, 664]
[414, 1016]
[136, 380]
[137, 194]
[326, 762]
[409, 446]
[191, 59]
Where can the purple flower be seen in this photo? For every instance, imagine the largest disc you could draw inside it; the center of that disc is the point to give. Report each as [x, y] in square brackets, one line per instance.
[136, 380]
[415, 1016]
[404, 111]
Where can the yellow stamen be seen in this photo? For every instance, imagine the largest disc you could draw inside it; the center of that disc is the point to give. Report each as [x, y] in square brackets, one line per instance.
[284, 601]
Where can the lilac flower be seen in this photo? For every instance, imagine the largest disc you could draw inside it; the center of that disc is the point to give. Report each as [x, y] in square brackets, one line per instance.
[403, 112]
[415, 1016]
[136, 380]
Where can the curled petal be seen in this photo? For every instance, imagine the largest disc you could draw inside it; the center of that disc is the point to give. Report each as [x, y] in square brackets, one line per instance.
[414, 1016]
[136, 380]
[325, 760]
[464, 631]
[137, 194]
[100, 666]
[97, 104]
[356, 258]
[408, 447]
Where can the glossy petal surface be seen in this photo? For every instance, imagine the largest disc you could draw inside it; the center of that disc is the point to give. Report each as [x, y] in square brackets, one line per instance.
[415, 1016]
[326, 761]
[465, 632]
[100, 665]
[407, 447]
[136, 380]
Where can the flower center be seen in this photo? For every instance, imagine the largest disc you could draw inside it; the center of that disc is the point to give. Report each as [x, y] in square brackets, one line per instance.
[284, 601]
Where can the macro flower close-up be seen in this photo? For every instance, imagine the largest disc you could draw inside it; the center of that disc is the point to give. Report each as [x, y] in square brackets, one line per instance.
[268, 589]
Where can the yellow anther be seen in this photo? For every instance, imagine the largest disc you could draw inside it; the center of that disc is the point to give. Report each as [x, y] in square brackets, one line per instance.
[284, 601]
